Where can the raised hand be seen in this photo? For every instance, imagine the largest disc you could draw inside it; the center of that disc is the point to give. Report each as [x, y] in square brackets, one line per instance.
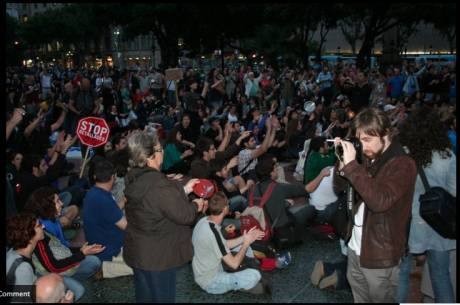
[252, 235]
[188, 188]
[233, 162]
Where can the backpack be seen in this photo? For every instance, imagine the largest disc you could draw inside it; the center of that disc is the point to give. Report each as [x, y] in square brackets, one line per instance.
[11, 273]
[254, 214]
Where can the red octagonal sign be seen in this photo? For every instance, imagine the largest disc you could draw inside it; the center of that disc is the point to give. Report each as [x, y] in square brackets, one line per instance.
[93, 131]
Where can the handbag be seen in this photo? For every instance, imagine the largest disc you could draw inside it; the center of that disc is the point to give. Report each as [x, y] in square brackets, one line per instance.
[438, 209]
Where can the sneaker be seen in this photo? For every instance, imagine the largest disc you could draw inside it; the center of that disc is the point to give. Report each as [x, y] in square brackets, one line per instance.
[317, 274]
[329, 281]
[283, 260]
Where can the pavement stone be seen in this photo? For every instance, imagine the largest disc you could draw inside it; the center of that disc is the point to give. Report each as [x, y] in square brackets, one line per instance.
[290, 285]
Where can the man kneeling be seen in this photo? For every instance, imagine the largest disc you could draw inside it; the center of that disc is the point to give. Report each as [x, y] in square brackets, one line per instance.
[211, 248]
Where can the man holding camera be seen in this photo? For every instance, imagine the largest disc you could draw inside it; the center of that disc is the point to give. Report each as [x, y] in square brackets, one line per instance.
[384, 185]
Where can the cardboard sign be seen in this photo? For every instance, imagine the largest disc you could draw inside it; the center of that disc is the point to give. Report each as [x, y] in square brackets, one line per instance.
[174, 74]
[93, 131]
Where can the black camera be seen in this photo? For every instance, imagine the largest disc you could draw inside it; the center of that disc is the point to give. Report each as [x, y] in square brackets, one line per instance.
[356, 144]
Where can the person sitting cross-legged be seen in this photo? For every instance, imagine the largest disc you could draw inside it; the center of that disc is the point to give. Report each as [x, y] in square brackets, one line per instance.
[211, 249]
[105, 222]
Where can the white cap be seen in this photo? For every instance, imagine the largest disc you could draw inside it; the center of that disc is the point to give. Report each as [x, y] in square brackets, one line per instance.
[388, 107]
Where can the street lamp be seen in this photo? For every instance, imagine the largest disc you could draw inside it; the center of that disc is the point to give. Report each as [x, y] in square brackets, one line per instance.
[116, 33]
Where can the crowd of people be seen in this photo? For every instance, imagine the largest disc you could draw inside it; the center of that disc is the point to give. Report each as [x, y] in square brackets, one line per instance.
[134, 204]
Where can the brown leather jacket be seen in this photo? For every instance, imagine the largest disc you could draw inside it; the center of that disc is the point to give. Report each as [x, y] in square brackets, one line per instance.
[386, 186]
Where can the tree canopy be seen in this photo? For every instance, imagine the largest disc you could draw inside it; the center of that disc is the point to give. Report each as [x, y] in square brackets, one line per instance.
[272, 29]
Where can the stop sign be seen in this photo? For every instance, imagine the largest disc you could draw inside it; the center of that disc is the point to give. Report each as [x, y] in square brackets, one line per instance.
[93, 131]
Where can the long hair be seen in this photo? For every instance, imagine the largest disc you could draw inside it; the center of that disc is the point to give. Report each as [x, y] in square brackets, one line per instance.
[172, 136]
[423, 133]
[372, 121]
[41, 203]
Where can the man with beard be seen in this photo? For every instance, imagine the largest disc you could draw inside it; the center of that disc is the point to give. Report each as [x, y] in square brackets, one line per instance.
[384, 184]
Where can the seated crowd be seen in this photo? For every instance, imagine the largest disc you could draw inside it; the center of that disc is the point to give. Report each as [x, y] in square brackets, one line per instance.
[132, 208]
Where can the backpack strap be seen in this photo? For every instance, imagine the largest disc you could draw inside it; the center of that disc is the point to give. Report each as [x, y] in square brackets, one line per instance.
[421, 172]
[251, 195]
[267, 194]
[11, 276]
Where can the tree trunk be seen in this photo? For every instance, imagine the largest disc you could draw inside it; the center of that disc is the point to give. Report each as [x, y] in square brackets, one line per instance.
[364, 56]
[353, 47]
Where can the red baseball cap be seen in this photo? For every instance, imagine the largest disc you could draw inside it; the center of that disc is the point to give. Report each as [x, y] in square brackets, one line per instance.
[204, 188]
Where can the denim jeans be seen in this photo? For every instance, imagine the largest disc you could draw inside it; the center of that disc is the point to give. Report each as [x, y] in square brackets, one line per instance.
[155, 286]
[438, 264]
[224, 282]
[404, 275]
[89, 266]
[238, 203]
[75, 286]
[323, 216]
[326, 214]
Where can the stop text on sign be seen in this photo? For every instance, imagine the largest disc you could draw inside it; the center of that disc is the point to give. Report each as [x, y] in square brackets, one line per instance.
[94, 131]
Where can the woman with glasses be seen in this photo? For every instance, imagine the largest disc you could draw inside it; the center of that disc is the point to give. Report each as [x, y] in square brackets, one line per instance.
[159, 214]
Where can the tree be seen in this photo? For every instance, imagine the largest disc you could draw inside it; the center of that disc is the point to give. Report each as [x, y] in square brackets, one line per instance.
[15, 45]
[352, 30]
[378, 19]
[443, 17]
[329, 17]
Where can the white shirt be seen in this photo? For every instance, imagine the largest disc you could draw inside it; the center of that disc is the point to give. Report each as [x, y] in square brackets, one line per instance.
[324, 193]
[171, 85]
[46, 81]
[357, 232]
[209, 246]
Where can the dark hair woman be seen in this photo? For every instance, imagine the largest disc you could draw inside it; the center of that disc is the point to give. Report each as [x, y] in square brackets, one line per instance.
[22, 235]
[425, 136]
[174, 160]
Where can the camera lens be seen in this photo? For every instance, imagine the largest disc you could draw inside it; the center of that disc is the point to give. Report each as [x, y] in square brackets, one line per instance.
[339, 151]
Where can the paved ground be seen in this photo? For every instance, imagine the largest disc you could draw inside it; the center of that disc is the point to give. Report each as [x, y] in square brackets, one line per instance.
[290, 285]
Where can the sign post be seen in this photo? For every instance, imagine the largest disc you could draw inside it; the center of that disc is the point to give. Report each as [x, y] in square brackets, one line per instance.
[92, 132]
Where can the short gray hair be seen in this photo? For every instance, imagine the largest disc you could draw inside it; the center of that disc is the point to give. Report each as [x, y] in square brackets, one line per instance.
[141, 146]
